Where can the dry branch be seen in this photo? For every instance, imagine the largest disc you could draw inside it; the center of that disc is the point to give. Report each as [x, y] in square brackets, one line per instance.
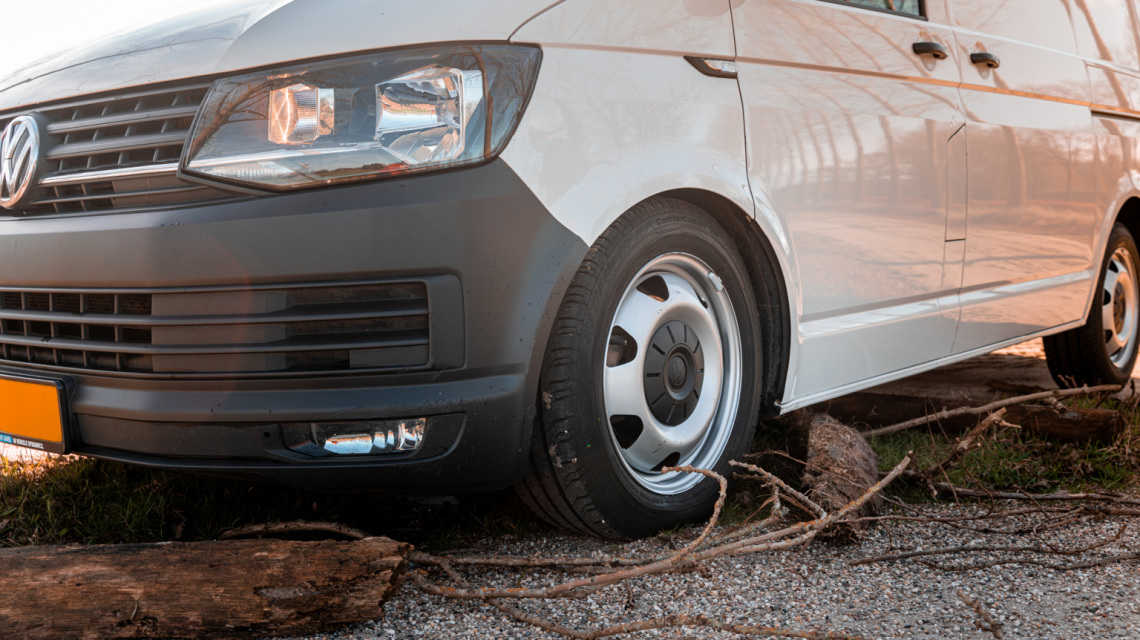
[990, 549]
[1124, 557]
[703, 548]
[1072, 425]
[964, 446]
[815, 508]
[1039, 497]
[987, 623]
[993, 406]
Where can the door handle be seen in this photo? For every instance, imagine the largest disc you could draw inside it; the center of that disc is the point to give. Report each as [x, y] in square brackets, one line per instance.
[930, 48]
[988, 59]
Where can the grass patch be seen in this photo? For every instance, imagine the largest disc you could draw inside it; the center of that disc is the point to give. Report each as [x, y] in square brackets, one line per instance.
[86, 501]
[1013, 459]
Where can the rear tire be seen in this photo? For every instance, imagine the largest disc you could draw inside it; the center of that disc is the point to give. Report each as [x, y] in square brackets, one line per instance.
[654, 360]
[1104, 350]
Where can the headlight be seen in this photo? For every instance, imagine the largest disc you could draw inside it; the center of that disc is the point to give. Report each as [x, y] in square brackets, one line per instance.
[362, 118]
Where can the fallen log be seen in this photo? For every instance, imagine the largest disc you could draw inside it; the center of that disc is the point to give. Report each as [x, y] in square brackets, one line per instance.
[877, 409]
[1074, 425]
[866, 409]
[225, 589]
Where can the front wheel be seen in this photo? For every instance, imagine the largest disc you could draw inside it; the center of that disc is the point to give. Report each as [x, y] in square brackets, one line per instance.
[1104, 350]
[654, 361]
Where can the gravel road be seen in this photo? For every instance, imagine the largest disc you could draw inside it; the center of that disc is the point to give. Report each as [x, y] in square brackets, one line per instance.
[815, 588]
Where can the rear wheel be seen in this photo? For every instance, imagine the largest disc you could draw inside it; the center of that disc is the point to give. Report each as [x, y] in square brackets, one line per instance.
[654, 361]
[1104, 350]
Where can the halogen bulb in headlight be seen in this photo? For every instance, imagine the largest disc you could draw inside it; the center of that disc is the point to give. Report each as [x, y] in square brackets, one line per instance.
[300, 113]
[422, 116]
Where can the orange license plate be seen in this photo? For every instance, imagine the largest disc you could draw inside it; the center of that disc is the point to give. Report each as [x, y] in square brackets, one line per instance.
[31, 413]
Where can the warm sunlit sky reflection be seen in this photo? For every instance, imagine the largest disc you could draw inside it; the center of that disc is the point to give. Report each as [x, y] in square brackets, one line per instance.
[36, 29]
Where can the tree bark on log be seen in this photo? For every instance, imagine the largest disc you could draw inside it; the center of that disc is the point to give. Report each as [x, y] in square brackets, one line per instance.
[841, 466]
[1074, 425]
[227, 589]
[881, 409]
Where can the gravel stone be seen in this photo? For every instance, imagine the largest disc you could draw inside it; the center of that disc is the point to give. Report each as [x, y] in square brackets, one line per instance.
[811, 588]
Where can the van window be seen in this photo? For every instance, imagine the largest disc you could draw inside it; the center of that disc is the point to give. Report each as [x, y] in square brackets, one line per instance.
[1105, 30]
[909, 7]
[1041, 22]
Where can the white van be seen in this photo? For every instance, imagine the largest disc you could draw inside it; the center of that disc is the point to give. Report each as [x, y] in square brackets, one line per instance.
[459, 245]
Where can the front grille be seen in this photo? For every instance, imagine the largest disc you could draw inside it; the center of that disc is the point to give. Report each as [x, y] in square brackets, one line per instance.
[288, 329]
[118, 153]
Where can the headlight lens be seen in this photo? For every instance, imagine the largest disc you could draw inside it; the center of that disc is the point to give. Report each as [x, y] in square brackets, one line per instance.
[362, 118]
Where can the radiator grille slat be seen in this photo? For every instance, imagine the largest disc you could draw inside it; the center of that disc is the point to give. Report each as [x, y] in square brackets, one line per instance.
[161, 115]
[87, 149]
[119, 153]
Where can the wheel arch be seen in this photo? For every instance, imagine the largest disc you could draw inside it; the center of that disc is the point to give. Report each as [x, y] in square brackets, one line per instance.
[1124, 208]
[1129, 216]
[768, 283]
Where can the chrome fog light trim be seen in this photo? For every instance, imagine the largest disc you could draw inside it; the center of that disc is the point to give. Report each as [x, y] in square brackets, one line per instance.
[355, 438]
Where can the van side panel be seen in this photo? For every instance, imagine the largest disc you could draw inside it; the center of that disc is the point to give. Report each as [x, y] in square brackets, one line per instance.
[619, 115]
[849, 146]
[1107, 36]
[1032, 219]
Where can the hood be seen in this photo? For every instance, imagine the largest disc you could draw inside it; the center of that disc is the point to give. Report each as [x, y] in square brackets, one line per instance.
[255, 33]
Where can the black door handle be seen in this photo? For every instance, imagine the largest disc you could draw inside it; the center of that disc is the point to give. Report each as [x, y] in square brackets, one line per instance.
[988, 59]
[932, 48]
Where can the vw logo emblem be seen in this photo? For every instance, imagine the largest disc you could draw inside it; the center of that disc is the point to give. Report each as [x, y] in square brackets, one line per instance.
[19, 159]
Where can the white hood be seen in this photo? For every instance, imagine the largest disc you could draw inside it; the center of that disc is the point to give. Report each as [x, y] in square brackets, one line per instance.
[255, 33]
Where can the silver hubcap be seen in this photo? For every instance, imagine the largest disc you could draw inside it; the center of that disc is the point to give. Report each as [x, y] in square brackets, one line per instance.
[1118, 313]
[673, 372]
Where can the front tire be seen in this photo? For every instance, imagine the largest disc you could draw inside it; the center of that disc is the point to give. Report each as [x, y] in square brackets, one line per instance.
[654, 361]
[1104, 350]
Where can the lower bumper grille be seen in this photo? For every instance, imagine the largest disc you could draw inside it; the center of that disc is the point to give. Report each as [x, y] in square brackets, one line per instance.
[277, 330]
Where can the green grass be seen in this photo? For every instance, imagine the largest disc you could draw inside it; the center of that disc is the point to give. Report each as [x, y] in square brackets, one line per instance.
[86, 501]
[1011, 459]
[1008, 459]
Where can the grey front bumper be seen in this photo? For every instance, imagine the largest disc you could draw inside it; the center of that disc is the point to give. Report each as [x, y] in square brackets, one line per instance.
[480, 225]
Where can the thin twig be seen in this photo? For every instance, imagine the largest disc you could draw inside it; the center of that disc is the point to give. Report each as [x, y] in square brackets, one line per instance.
[1056, 567]
[965, 445]
[815, 508]
[987, 623]
[1040, 497]
[783, 539]
[993, 406]
[716, 508]
[989, 548]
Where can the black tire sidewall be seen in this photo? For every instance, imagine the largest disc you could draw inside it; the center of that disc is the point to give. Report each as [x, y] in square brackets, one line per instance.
[631, 508]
